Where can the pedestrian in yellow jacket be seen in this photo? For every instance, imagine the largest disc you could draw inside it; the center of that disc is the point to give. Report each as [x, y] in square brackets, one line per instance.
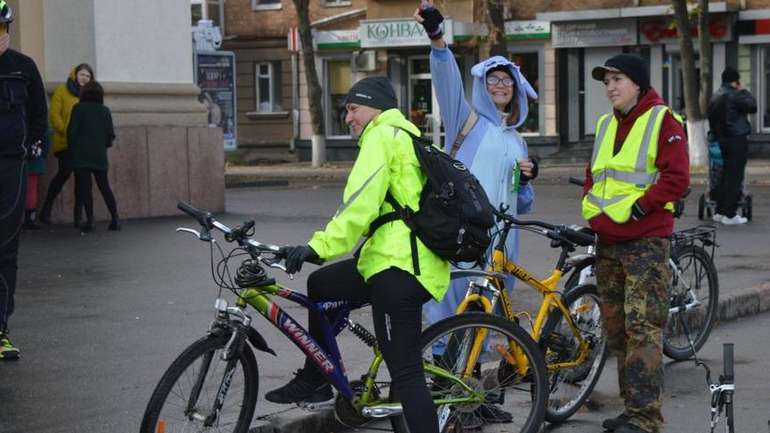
[383, 274]
[63, 100]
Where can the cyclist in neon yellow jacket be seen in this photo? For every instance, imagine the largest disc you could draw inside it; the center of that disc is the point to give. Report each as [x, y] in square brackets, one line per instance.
[383, 274]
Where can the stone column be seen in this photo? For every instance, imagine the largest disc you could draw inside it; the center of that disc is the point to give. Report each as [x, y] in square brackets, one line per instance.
[141, 52]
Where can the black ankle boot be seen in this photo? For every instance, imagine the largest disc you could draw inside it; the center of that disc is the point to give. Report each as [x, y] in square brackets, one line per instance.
[114, 224]
[29, 220]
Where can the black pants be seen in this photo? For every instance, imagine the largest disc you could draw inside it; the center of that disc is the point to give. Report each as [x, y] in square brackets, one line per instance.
[12, 189]
[84, 197]
[735, 153]
[62, 174]
[396, 297]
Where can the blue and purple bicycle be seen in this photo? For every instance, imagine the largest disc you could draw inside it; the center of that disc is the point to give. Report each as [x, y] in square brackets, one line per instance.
[213, 385]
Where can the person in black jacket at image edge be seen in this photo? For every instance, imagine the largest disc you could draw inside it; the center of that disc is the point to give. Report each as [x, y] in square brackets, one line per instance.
[728, 119]
[23, 116]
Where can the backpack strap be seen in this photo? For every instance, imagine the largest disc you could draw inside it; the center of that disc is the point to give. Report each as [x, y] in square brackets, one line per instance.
[399, 213]
[470, 122]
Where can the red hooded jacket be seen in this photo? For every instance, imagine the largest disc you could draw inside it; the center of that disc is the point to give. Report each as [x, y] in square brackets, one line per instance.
[673, 163]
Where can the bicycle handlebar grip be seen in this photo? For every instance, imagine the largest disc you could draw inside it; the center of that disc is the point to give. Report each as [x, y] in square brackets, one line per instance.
[582, 239]
[576, 181]
[727, 355]
[198, 215]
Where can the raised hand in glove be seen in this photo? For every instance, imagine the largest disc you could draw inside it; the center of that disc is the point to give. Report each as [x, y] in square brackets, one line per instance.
[637, 212]
[296, 256]
[431, 19]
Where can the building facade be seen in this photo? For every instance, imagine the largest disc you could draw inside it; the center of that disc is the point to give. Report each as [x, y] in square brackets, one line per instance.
[556, 44]
[163, 152]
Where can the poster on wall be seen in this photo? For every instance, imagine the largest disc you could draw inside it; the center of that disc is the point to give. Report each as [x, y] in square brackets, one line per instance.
[215, 75]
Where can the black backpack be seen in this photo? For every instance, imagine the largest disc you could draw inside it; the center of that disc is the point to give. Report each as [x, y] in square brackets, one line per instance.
[455, 214]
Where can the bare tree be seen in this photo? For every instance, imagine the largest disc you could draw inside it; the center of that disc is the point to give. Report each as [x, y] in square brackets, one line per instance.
[696, 126]
[494, 15]
[706, 55]
[315, 101]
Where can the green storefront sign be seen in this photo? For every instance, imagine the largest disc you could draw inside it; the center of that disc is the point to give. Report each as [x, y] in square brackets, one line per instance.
[398, 33]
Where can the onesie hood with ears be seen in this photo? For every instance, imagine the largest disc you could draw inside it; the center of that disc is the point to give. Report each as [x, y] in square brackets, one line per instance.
[482, 101]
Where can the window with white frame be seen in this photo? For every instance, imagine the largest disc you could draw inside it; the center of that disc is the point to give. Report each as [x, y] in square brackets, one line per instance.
[333, 3]
[208, 10]
[265, 4]
[268, 87]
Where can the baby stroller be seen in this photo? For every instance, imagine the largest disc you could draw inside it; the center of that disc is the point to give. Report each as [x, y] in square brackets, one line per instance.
[707, 202]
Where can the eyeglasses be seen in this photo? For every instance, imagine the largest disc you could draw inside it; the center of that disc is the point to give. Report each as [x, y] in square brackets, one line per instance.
[493, 80]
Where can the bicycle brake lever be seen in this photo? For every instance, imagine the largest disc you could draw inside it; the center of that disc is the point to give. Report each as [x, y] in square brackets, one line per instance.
[186, 230]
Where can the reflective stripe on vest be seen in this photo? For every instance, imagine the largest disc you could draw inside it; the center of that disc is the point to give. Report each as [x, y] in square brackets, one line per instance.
[618, 184]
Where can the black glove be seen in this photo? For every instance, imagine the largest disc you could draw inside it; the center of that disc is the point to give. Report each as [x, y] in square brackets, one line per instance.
[432, 22]
[523, 178]
[636, 211]
[296, 256]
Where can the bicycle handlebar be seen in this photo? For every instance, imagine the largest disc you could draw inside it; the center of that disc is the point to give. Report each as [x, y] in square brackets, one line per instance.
[239, 234]
[576, 181]
[727, 354]
[558, 233]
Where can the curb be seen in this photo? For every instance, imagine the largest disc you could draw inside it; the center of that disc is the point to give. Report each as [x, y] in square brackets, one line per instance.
[744, 302]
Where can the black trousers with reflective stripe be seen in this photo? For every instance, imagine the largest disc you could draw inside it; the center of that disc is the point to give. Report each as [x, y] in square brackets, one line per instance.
[12, 189]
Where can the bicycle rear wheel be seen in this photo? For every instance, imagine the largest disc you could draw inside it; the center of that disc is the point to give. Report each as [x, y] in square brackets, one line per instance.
[695, 281]
[184, 398]
[570, 387]
[506, 401]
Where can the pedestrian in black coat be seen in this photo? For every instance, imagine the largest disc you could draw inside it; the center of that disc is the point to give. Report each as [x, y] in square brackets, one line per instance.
[89, 135]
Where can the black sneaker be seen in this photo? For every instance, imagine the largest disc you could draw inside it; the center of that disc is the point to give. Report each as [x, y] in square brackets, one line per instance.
[300, 390]
[612, 424]
[492, 414]
[630, 428]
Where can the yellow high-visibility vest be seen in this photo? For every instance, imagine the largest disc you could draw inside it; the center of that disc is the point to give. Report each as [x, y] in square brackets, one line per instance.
[620, 180]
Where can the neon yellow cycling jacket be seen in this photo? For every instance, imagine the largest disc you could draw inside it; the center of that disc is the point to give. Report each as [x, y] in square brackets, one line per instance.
[386, 161]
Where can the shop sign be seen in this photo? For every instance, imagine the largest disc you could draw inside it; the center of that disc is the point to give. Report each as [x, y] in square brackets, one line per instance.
[215, 75]
[339, 39]
[399, 33]
[659, 30]
[594, 34]
[522, 30]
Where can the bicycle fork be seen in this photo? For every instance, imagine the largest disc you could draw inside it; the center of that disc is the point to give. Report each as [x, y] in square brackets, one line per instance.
[231, 354]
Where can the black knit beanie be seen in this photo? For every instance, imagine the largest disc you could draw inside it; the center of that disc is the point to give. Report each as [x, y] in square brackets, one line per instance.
[375, 92]
[729, 75]
[630, 64]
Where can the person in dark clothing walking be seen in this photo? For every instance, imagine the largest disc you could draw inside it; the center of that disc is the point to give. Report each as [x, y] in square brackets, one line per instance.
[89, 134]
[23, 113]
[728, 119]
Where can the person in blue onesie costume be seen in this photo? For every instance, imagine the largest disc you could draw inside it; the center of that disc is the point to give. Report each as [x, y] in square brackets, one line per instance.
[492, 148]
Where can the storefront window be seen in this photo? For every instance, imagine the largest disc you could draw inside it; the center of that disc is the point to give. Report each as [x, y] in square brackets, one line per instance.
[529, 65]
[766, 84]
[268, 87]
[420, 94]
[339, 79]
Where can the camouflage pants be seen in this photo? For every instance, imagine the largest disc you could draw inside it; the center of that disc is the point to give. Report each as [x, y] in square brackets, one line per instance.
[633, 280]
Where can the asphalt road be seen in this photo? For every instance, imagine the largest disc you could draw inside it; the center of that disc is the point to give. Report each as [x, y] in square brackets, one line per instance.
[100, 317]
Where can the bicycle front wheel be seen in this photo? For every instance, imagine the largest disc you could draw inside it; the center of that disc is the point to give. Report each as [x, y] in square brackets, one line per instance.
[184, 399]
[570, 385]
[503, 397]
[694, 302]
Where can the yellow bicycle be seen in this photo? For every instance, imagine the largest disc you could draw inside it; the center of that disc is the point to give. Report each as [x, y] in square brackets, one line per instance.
[567, 326]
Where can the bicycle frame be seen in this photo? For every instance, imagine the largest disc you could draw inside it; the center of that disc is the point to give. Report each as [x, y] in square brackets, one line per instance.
[330, 363]
[500, 267]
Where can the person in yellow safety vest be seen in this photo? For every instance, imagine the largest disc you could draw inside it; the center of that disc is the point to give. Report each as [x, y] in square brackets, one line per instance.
[383, 274]
[639, 167]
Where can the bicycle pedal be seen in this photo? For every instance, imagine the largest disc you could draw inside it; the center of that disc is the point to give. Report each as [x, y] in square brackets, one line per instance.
[316, 406]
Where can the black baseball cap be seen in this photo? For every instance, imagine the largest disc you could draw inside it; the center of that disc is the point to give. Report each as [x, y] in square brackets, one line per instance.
[630, 64]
